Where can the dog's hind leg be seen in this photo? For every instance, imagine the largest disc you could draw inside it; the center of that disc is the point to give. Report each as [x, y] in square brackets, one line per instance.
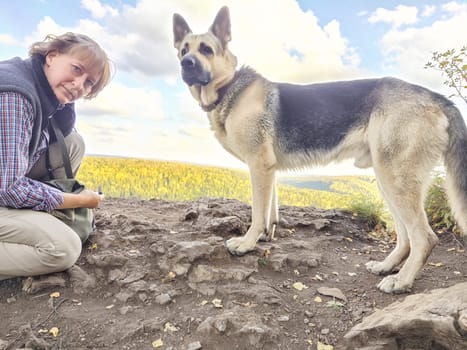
[403, 184]
[404, 192]
[264, 208]
[406, 143]
[400, 252]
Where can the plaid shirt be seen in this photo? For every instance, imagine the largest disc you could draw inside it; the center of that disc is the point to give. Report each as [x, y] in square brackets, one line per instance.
[17, 190]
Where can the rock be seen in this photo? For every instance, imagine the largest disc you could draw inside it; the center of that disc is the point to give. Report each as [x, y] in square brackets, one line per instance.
[205, 273]
[318, 224]
[163, 299]
[257, 335]
[107, 260]
[194, 346]
[180, 256]
[36, 284]
[132, 277]
[227, 225]
[191, 214]
[80, 280]
[332, 292]
[433, 320]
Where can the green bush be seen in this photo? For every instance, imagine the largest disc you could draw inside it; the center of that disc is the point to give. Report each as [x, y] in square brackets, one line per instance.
[371, 210]
[437, 207]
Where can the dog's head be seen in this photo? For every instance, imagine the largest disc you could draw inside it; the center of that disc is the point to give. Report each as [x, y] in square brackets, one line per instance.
[206, 62]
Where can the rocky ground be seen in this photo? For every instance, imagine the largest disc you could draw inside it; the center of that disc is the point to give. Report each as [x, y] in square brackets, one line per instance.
[156, 275]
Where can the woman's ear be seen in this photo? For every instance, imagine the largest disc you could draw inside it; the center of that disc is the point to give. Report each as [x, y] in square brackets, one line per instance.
[50, 56]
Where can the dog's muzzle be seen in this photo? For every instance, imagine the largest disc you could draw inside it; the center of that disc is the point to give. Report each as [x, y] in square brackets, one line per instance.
[193, 72]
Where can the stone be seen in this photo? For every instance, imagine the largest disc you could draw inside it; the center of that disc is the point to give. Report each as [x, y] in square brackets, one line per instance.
[332, 292]
[432, 320]
[163, 299]
[194, 346]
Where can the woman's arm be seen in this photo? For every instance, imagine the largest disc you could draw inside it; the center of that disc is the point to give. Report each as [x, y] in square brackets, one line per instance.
[84, 199]
[16, 190]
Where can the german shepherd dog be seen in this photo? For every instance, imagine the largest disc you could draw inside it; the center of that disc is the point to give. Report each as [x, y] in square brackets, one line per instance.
[400, 129]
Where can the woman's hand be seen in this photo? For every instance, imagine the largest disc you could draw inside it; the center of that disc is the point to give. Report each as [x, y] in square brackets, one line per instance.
[84, 199]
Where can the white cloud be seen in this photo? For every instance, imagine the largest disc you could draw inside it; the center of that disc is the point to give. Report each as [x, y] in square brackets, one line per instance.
[97, 9]
[402, 15]
[296, 41]
[122, 101]
[428, 11]
[407, 50]
[454, 7]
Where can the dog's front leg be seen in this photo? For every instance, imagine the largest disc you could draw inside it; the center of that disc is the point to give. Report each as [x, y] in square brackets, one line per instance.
[273, 216]
[262, 175]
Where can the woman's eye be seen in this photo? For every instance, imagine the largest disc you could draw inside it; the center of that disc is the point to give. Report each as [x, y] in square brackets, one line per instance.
[89, 83]
[76, 69]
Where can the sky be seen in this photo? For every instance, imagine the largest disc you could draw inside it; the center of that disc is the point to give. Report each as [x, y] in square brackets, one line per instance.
[147, 111]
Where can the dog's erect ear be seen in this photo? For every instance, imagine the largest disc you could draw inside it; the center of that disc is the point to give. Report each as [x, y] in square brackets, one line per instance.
[221, 26]
[181, 29]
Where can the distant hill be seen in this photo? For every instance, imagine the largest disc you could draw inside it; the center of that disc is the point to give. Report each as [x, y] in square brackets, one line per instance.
[313, 182]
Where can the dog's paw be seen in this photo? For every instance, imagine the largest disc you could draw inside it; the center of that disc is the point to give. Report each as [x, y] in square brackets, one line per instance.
[376, 267]
[239, 245]
[393, 284]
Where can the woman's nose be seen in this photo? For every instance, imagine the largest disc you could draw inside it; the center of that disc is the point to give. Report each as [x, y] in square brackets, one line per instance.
[80, 82]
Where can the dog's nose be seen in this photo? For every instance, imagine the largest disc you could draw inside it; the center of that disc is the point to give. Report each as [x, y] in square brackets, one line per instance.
[188, 62]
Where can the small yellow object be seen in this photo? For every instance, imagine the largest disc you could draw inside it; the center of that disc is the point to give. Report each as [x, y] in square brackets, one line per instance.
[318, 300]
[170, 276]
[54, 331]
[108, 307]
[217, 303]
[299, 286]
[322, 346]
[157, 343]
[169, 327]
[55, 294]
[318, 278]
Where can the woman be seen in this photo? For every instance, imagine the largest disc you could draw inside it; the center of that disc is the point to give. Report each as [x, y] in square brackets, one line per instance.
[60, 70]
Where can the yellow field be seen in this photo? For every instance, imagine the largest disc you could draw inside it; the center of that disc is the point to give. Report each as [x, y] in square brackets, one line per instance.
[147, 179]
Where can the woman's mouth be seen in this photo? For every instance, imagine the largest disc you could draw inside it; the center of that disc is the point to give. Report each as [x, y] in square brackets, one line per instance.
[70, 95]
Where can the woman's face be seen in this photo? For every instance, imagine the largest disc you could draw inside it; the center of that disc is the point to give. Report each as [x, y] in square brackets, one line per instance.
[68, 76]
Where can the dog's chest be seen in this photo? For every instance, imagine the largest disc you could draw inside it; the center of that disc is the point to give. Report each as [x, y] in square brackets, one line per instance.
[225, 136]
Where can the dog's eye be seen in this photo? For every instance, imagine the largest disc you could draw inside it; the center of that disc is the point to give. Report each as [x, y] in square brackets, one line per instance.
[184, 51]
[206, 50]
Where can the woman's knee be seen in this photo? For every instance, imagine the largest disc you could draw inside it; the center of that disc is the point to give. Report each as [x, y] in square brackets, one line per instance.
[61, 253]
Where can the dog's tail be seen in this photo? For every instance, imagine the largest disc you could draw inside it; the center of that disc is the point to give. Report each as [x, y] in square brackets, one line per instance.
[456, 165]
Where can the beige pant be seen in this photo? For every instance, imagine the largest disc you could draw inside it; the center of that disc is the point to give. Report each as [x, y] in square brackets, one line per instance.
[33, 242]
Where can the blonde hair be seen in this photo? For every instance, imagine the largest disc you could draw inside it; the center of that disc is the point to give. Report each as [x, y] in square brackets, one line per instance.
[84, 47]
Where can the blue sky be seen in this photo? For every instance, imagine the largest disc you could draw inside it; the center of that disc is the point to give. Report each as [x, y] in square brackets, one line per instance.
[147, 112]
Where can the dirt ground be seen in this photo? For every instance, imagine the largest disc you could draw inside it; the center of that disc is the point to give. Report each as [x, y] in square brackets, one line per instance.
[156, 275]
